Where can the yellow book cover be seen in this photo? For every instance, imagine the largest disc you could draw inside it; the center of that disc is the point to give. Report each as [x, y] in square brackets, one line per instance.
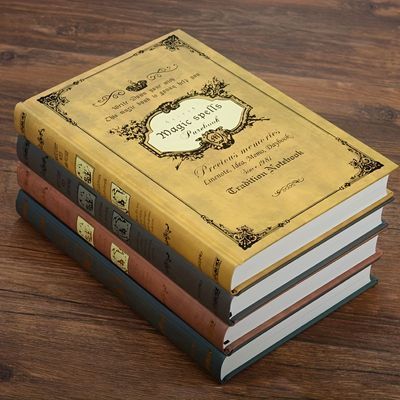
[206, 156]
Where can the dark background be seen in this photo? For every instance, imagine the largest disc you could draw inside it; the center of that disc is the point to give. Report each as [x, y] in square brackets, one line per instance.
[62, 335]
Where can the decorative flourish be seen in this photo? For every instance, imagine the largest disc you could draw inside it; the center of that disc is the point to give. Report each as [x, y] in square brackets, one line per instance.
[363, 163]
[173, 43]
[167, 107]
[214, 88]
[56, 100]
[252, 119]
[288, 186]
[159, 73]
[194, 155]
[115, 94]
[43, 165]
[136, 86]
[216, 268]
[167, 234]
[244, 235]
[22, 122]
[104, 99]
[133, 131]
[40, 138]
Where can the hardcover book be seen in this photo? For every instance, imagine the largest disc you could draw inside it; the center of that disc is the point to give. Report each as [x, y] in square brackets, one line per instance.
[225, 338]
[221, 366]
[228, 308]
[227, 170]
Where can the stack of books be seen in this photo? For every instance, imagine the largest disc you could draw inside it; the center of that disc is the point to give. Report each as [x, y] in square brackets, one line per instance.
[225, 213]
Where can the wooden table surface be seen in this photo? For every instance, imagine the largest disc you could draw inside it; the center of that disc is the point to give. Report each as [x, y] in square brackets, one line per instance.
[62, 335]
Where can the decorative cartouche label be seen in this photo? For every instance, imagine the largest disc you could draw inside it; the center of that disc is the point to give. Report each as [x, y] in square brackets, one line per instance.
[119, 257]
[119, 197]
[120, 226]
[182, 129]
[85, 230]
[86, 199]
[84, 171]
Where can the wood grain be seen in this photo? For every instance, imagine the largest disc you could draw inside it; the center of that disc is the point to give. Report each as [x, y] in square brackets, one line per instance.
[62, 335]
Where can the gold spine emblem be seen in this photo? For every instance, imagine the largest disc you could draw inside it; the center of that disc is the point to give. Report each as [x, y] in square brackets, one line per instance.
[120, 198]
[84, 171]
[85, 230]
[119, 257]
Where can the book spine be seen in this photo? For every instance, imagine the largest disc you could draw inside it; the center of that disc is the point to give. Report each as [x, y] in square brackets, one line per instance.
[159, 285]
[128, 189]
[164, 258]
[142, 302]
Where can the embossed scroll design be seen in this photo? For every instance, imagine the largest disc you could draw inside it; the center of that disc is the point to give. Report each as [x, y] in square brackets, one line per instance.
[115, 94]
[217, 139]
[362, 163]
[173, 43]
[22, 122]
[244, 236]
[135, 86]
[160, 72]
[167, 234]
[56, 100]
[216, 268]
[288, 186]
[40, 138]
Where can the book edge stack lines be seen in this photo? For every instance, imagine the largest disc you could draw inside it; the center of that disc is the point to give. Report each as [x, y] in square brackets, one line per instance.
[223, 326]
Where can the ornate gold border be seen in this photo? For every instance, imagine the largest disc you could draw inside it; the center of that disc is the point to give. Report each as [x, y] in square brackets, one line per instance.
[244, 236]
